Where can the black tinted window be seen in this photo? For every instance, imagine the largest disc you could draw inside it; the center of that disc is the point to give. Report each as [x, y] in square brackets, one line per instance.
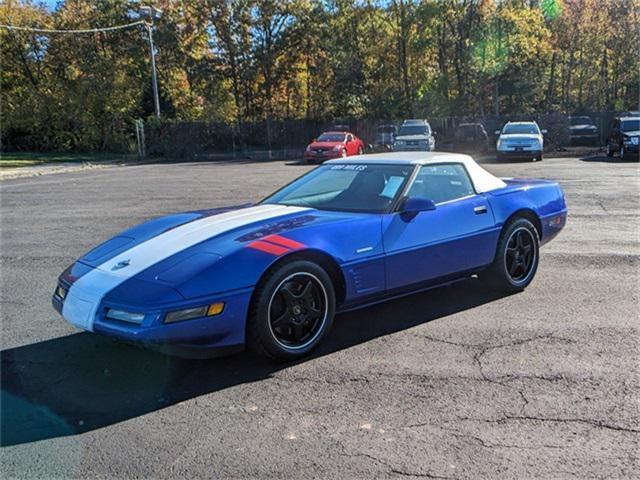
[331, 137]
[630, 125]
[414, 130]
[441, 183]
[581, 121]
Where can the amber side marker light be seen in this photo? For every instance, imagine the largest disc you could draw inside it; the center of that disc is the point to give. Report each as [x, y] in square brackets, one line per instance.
[194, 312]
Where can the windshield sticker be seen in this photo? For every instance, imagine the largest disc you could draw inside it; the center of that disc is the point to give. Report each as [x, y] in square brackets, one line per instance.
[356, 168]
[392, 186]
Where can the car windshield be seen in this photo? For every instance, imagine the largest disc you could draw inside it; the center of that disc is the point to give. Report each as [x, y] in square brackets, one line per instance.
[346, 188]
[466, 130]
[331, 137]
[413, 130]
[630, 125]
[516, 128]
[581, 121]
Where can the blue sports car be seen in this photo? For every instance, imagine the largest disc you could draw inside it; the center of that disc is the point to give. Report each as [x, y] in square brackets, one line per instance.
[350, 233]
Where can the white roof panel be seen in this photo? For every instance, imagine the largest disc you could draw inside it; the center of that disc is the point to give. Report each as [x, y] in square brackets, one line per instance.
[483, 181]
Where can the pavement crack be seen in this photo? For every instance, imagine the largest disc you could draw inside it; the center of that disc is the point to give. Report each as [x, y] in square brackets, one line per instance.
[531, 418]
[488, 445]
[389, 466]
[479, 350]
[594, 423]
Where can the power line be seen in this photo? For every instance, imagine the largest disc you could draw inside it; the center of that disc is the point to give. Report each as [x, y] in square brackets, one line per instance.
[89, 30]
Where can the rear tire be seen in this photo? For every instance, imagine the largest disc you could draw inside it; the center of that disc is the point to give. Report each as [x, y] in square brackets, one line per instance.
[517, 256]
[291, 311]
[539, 157]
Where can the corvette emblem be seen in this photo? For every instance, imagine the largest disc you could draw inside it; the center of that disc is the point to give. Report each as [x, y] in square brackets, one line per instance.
[122, 264]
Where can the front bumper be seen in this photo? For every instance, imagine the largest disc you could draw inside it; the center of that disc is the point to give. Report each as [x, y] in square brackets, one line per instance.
[518, 153]
[199, 337]
[631, 149]
[320, 157]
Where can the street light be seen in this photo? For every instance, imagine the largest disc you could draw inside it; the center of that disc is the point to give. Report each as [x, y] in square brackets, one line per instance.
[151, 14]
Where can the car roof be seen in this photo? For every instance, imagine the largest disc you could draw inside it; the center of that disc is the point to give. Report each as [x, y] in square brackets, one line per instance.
[414, 121]
[403, 158]
[482, 180]
[522, 123]
[341, 132]
[629, 118]
[468, 124]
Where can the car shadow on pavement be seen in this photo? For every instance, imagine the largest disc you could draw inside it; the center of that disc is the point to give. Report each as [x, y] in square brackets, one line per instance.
[604, 159]
[82, 382]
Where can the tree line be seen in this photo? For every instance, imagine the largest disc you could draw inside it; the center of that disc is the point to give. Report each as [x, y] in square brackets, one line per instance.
[242, 61]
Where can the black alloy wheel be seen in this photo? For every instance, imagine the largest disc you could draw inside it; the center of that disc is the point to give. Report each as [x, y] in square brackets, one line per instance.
[291, 310]
[297, 310]
[517, 256]
[520, 254]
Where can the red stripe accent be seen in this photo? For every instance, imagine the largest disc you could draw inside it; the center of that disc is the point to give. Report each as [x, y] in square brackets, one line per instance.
[268, 247]
[284, 241]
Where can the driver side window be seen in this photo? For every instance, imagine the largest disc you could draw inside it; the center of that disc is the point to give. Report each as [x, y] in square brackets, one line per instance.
[441, 183]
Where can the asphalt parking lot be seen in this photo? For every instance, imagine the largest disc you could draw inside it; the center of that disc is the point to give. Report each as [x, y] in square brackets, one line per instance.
[451, 383]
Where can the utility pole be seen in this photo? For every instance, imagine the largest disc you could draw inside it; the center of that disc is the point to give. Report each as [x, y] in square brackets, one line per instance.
[152, 13]
[496, 94]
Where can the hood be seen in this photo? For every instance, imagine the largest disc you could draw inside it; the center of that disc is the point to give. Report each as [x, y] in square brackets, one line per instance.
[412, 137]
[229, 252]
[136, 250]
[632, 133]
[325, 145]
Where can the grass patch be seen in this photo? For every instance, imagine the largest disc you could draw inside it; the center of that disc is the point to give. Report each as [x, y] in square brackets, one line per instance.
[29, 159]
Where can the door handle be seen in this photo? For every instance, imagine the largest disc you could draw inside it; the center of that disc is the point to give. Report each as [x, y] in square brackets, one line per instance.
[480, 209]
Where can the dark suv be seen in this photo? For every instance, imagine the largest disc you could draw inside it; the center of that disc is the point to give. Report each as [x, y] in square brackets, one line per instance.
[471, 137]
[583, 131]
[624, 137]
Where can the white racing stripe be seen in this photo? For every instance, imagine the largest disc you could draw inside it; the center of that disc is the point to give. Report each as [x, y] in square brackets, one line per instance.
[84, 296]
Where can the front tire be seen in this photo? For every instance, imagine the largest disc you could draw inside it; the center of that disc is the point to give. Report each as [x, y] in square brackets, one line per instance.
[291, 311]
[609, 149]
[623, 152]
[539, 157]
[517, 257]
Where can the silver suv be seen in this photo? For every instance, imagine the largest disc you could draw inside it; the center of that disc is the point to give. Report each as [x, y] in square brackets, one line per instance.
[520, 140]
[414, 135]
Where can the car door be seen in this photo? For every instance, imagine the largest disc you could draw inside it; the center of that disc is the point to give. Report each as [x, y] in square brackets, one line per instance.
[458, 236]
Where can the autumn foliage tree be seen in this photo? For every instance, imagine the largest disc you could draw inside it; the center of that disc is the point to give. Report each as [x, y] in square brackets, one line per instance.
[248, 61]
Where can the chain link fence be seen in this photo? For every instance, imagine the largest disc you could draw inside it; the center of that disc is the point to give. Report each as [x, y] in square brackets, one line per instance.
[282, 139]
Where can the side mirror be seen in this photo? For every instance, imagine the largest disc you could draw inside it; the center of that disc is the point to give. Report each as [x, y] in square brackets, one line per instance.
[544, 131]
[497, 132]
[314, 140]
[411, 206]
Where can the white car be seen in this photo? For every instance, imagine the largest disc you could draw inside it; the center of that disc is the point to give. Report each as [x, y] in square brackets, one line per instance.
[414, 136]
[520, 140]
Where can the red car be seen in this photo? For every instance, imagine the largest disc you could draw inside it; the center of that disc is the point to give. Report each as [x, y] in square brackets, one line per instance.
[333, 145]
